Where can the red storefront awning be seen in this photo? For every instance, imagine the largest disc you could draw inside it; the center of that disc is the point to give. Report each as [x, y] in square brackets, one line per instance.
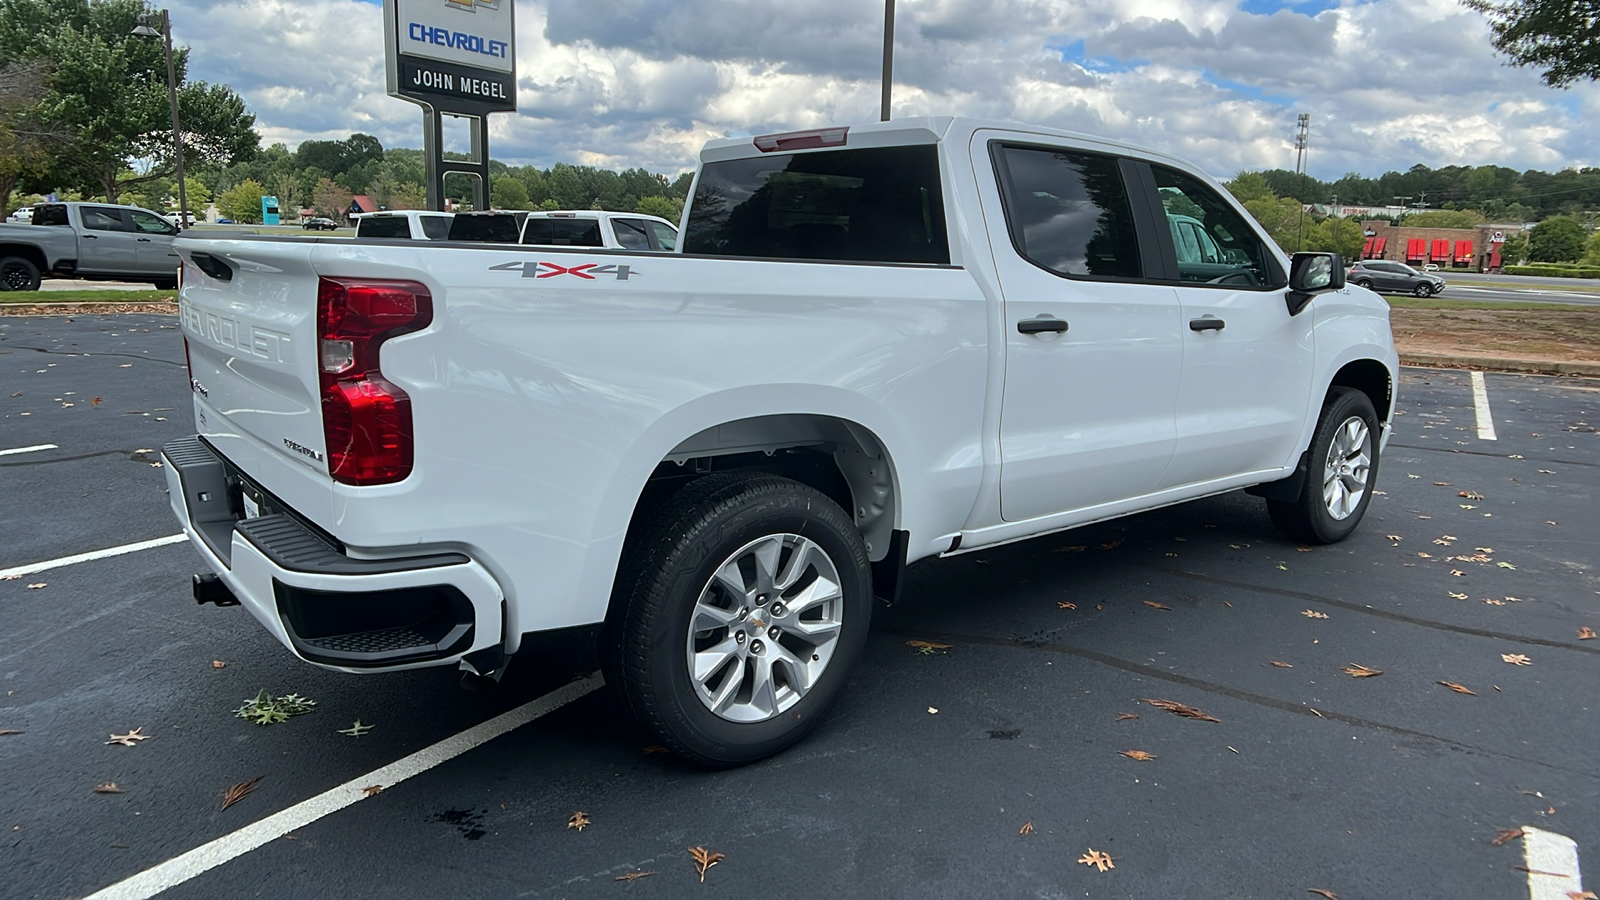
[1366, 249]
[1463, 251]
[1441, 250]
[1416, 249]
[1377, 248]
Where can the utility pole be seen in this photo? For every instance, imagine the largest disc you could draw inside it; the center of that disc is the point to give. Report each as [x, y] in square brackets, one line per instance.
[1301, 139]
[888, 55]
[145, 27]
[1403, 201]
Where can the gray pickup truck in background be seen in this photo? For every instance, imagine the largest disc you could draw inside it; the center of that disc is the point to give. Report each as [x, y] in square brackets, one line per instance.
[95, 241]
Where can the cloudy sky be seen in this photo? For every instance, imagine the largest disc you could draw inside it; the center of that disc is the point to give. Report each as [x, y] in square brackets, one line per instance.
[619, 83]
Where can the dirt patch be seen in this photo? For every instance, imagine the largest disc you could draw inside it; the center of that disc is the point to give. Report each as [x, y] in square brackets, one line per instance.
[165, 308]
[1533, 334]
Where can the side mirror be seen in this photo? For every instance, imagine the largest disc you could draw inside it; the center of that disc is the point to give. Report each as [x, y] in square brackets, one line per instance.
[1311, 274]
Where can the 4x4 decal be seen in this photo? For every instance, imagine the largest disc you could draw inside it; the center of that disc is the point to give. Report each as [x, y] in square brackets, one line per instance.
[541, 269]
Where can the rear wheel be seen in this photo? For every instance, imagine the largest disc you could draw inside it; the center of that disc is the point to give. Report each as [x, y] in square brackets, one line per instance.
[738, 613]
[18, 274]
[1363, 282]
[1343, 467]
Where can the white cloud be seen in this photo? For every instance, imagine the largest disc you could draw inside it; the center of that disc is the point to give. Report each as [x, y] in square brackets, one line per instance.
[1388, 83]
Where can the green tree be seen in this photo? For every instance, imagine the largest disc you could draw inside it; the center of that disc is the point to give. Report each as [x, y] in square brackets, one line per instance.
[109, 89]
[1515, 249]
[1557, 239]
[1591, 250]
[1446, 218]
[1341, 236]
[665, 207]
[508, 192]
[1247, 186]
[330, 199]
[1560, 36]
[28, 134]
[242, 202]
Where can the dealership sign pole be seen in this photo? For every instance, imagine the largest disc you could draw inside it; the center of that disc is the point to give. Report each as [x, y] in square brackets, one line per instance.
[453, 58]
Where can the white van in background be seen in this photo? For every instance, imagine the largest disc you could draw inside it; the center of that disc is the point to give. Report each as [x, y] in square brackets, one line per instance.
[404, 224]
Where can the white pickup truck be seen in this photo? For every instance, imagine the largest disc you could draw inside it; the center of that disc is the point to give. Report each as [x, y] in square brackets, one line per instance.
[875, 344]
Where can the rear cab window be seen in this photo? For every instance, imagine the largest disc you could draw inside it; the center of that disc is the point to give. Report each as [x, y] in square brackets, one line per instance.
[572, 232]
[53, 214]
[875, 204]
[384, 227]
[435, 228]
[630, 234]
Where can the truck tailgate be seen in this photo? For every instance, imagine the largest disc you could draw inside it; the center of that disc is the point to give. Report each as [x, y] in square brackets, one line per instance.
[253, 347]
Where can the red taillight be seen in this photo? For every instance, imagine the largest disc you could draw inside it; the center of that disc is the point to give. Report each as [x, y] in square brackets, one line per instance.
[366, 421]
[802, 140]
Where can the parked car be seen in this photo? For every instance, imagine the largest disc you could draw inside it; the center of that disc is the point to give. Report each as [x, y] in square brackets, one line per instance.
[94, 241]
[404, 224]
[1389, 276]
[174, 218]
[224, 220]
[711, 460]
[595, 228]
[319, 223]
[22, 215]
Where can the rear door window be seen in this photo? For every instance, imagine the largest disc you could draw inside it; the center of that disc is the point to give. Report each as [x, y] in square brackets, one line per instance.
[666, 235]
[437, 228]
[879, 204]
[630, 234]
[102, 218]
[562, 232]
[1068, 212]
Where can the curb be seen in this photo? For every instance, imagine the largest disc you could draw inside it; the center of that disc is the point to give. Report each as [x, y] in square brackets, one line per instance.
[1496, 364]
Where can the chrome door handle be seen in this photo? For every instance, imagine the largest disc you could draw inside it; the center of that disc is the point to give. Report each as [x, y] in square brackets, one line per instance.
[1042, 325]
[1208, 323]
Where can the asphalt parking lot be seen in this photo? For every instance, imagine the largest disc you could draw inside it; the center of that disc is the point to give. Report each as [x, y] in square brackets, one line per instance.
[925, 775]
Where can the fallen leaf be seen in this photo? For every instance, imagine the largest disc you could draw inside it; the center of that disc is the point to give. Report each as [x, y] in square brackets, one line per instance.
[632, 875]
[1328, 894]
[1075, 548]
[1111, 545]
[1470, 495]
[1442, 484]
[1484, 549]
[1281, 664]
[1493, 602]
[373, 790]
[1409, 475]
[1506, 565]
[656, 748]
[1101, 861]
[704, 859]
[1064, 604]
[1516, 659]
[1152, 603]
[933, 710]
[1358, 671]
[1123, 717]
[16, 731]
[12, 577]
[263, 709]
[1507, 834]
[38, 584]
[1303, 549]
[239, 791]
[1425, 555]
[357, 729]
[1394, 537]
[1456, 596]
[95, 402]
[1140, 755]
[107, 787]
[130, 739]
[1313, 614]
[1316, 712]
[1586, 633]
[1459, 688]
[1458, 573]
[1026, 829]
[1515, 456]
[927, 648]
[1448, 537]
[218, 664]
[1581, 895]
[1178, 709]
[578, 820]
[1540, 872]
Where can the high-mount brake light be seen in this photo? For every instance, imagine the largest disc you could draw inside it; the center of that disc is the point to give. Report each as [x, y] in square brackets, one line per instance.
[802, 140]
[366, 420]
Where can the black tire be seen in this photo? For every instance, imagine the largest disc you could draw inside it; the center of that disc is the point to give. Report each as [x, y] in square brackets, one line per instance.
[1423, 290]
[1363, 282]
[672, 559]
[18, 274]
[1308, 518]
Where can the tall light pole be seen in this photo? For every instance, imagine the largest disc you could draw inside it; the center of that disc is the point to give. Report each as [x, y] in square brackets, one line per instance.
[888, 55]
[1302, 139]
[147, 28]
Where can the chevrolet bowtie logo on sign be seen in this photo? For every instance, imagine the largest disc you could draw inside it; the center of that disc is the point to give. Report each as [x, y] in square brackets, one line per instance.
[472, 5]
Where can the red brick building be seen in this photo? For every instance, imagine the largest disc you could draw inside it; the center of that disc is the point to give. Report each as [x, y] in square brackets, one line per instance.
[1467, 249]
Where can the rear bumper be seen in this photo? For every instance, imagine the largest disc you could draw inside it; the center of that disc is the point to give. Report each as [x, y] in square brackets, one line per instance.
[385, 611]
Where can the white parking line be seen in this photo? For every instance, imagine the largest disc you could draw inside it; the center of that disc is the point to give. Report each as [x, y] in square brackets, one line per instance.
[49, 564]
[32, 449]
[1480, 403]
[181, 868]
[1552, 864]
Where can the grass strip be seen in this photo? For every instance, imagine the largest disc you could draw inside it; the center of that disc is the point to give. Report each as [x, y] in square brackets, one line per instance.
[86, 296]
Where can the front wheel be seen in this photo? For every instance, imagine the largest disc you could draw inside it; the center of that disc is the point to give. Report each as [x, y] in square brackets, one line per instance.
[1343, 464]
[738, 613]
[18, 274]
[1423, 290]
